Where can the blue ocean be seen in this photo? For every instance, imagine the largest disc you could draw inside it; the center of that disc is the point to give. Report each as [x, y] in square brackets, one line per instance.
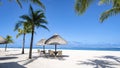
[74, 46]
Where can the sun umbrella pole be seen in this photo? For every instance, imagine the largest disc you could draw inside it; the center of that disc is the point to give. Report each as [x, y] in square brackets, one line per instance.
[55, 47]
[6, 47]
[43, 48]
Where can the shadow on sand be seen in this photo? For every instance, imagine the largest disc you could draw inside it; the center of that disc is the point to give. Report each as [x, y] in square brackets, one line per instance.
[16, 54]
[100, 63]
[6, 58]
[62, 57]
[27, 61]
[117, 59]
[11, 65]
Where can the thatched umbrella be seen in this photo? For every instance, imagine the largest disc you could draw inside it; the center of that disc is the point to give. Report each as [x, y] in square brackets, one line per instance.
[2, 40]
[42, 42]
[56, 40]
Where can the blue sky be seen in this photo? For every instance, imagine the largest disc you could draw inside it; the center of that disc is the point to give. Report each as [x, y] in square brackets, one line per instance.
[63, 20]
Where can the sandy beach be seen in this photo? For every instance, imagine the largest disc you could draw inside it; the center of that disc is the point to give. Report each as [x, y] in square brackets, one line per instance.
[70, 59]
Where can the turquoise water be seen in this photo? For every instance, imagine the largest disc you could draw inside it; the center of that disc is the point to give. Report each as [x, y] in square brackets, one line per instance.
[102, 47]
[70, 48]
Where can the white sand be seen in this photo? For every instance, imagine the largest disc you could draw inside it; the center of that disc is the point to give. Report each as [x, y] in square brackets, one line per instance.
[71, 59]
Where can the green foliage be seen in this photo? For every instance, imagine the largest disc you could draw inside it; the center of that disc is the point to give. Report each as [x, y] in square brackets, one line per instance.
[9, 39]
[26, 28]
[113, 11]
[20, 32]
[82, 5]
[105, 2]
[36, 19]
[19, 2]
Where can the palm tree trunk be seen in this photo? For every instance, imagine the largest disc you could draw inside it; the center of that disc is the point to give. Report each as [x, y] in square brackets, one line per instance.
[23, 43]
[6, 47]
[31, 44]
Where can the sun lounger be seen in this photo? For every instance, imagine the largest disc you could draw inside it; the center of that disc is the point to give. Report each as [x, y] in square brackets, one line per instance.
[49, 51]
[52, 53]
[41, 52]
[59, 53]
[38, 51]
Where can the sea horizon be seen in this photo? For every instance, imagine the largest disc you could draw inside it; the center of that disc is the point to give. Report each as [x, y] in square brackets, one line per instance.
[72, 48]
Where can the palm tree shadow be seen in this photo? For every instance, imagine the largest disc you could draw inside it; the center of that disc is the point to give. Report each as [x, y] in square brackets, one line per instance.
[16, 54]
[117, 59]
[6, 58]
[11, 65]
[98, 63]
[27, 61]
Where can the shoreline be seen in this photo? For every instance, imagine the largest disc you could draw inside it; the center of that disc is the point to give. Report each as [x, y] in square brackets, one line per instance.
[13, 58]
[84, 49]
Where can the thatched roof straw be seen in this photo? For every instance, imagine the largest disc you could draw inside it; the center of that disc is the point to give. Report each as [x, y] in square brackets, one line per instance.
[41, 42]
[2, 40]
[56, 40]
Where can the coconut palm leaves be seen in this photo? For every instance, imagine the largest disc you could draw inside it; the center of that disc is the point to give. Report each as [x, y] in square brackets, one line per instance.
[108, 13]
[113, 11]
[82, 5]
[32, 1]
[105, 2]
[19, 2]
[26, 29]
[37, 20]
[9, 40]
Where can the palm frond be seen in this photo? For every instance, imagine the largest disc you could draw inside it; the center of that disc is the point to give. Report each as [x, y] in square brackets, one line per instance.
[116, 3]
[82, 5]
[20, 32]
[18, 35]
[111, 12]
[18, 25]
[42, 21]
[25, 17]
[41, 15]
[31, 12]
[105, 2]
[45, 27]
[39, 3]
[9, 39]
[27, 28]
[19, 3]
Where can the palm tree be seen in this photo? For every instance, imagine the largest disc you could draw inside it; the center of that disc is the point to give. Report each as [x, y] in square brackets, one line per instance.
[82, 5]
[33, 1]
[38, 2]
[26, 29]
[9, 40]
[113, 11]
[36, 19]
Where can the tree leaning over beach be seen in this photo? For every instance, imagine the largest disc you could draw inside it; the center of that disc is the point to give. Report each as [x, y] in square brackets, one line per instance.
[36, 19]
[82, 5]
[25, 30]
[8, 41]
